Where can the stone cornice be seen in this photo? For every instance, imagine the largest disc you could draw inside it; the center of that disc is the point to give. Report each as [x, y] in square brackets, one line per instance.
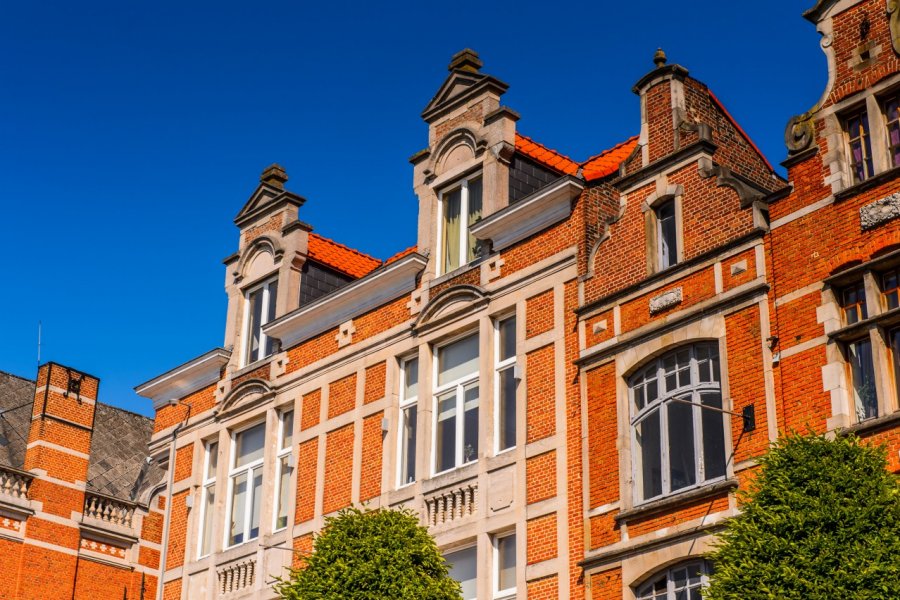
[373, 290]
[545, 207]
[185, 379]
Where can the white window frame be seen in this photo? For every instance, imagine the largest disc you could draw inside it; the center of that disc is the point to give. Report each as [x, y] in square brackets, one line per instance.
[697, 389]
[502, 365]
[233, 473]
[474, 547]
[208, 484]
[404, 405]
[266, 286]
[508, 593]
[670, 579]
[459, 384]
[283, 451]
[463, 184]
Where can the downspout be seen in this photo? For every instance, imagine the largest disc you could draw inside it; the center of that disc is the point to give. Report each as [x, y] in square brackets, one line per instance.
[168, 517]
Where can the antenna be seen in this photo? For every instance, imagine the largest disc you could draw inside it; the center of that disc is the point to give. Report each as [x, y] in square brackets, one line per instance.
[39, 343]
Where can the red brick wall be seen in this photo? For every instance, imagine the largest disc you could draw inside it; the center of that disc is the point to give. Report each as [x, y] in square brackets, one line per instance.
[341, 396]
[542, 540]
[372, 453]
[339, 474]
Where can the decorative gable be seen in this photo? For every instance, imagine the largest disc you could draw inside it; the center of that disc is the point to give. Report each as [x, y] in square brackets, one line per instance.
[269, 196]
[464, 83]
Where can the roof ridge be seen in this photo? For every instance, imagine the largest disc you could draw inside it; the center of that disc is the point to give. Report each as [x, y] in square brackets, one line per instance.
[608, 150]
[18, 376]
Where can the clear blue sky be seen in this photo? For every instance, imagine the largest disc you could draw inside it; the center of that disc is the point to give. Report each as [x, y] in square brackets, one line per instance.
[131, 133]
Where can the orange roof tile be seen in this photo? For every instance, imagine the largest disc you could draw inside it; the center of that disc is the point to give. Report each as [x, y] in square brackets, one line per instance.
[401, 254]
[608, 161]
[340, 257]
[546, 156]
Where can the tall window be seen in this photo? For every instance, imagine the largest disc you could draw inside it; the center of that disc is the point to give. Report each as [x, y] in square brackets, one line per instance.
[208, 500]
[245, 483]
[505, 566]
[666, 234]
[505, 383]
[892, 115]
[284, 467]
[683, 582]
[409, 398]
[464, 569]
[460, 209]
[679, 442]
[862, 376]
[260, 309]
[860, 142]
[456, 396]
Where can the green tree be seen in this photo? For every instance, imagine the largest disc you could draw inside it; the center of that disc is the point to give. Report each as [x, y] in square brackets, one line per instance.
[821, 521]
[371, 555]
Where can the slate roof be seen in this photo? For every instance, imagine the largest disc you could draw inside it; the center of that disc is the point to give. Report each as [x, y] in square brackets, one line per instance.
[119, 446]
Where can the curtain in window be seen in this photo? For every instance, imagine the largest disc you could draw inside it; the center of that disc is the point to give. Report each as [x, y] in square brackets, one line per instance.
[452, 223]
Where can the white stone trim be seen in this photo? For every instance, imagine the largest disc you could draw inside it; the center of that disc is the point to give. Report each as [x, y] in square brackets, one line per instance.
[190, 377]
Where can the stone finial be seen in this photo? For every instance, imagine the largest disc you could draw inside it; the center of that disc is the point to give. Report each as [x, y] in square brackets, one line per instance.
[465, 60]
[274, 175]
[659, 59]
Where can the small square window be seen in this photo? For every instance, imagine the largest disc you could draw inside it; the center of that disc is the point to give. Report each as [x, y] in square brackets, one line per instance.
[859, 140]
[853, 303]
[890, 289]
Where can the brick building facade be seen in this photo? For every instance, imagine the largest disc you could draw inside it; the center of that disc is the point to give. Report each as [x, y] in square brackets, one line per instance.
[573, 371]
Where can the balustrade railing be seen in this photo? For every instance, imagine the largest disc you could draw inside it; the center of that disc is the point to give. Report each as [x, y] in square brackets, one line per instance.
[109, 510]
[451, 504]
[14, 483]
[236, 577]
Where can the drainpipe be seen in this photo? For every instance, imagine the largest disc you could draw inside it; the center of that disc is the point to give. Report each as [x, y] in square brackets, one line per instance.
[168, 517]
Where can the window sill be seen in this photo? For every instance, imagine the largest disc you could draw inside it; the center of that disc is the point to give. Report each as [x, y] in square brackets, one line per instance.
[873, 181]
[676, 500]
[450, 477]
[242, 550]
[852, 332]
[253, 366]
[474, 264]
[871, 425]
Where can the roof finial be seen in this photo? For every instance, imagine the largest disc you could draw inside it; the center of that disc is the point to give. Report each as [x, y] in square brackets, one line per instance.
[274, 175]
[465, 60]
[659, 59]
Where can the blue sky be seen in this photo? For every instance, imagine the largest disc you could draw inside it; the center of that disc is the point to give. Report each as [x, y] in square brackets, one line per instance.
[131, 133]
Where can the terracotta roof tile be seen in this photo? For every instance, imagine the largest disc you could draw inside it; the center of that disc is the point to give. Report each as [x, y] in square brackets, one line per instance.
[546, 156]
[340, 257]
[401, 254]
[608, 161]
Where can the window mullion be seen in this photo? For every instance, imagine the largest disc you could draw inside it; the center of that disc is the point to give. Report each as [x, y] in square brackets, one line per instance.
[463, 222]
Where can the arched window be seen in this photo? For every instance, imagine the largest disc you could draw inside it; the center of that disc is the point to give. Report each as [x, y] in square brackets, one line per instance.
[682, 582]
[679, 443]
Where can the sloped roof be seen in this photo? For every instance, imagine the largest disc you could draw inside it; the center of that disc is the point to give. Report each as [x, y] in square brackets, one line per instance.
[340, 257]
[401, 254]
[546, 156]
[119, 446]
[608, 161]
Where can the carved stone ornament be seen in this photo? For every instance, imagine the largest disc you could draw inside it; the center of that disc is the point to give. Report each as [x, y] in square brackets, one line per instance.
[880, 211]
[665, 300]
[893, 9]
[799, 133]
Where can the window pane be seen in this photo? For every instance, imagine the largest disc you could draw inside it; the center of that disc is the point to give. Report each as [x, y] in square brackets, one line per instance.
[238, 506]
[668, 244]
[650, 444]
[411, 379]
[408, 446]
[284, 484]
[452, 202]
[895, 355]
[257, 504]
[507, 331]
[713, 436]
[463, 569]
[212, 459]
[208, 513]
[506, 562]
[507, 407]
[854, 303]
[458, 359]
[889, 285]
[474, 217]
[862, 372]
[270, 316]
[682, 460]
[287, 429]
[445, 451]
[470, 423]
[250, 444]
[254, 331]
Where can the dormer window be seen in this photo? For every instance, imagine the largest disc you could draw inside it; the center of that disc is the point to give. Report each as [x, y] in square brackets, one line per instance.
[860, 142]
[259, 310]
[666, 234]
[460, 208]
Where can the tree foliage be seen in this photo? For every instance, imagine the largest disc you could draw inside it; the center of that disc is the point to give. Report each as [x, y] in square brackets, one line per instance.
[371, 555]
[821, 521]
